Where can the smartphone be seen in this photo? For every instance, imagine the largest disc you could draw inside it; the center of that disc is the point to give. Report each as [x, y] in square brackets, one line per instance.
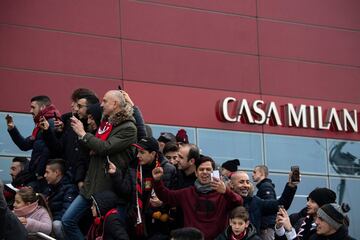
[215, 174]
[295, 177]
[8, 118]
[281, 207]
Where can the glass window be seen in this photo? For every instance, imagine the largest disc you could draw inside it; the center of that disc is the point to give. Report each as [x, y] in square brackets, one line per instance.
[283, 151]
[226, 145]
[344, 157]
[5, 163]
[158, 129]
[25, 124]
[346, 193]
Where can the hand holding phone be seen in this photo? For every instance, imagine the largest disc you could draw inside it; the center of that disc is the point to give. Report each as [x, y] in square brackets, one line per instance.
[295, 174]
[9, 122]
[215, 174]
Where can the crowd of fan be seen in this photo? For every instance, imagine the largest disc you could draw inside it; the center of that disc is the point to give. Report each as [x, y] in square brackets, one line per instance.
[98, 173]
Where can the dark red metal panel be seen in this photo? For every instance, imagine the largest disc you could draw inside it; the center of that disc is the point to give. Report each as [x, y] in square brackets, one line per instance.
[82, 16]
[59, 52]
[334, 13]
[184, 106]
[17, 88]
[287, 40]
[188, 27]
[189, 67]
[246, 7]
[310, 80]
[196, 107]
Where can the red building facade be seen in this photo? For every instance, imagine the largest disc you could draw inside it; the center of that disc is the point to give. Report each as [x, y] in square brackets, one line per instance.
[179, 59]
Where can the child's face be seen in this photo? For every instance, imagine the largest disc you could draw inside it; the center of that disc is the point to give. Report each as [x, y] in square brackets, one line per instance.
[19, 203]
[238, 225]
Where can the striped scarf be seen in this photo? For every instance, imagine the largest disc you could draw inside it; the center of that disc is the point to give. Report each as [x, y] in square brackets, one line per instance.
[139, 190]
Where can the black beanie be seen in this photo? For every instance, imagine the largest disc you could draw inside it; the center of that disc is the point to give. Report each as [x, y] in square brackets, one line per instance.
[333, 214]
[231, 165]
[323, 196]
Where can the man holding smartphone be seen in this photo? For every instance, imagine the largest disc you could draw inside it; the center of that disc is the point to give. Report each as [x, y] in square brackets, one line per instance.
[41, 109]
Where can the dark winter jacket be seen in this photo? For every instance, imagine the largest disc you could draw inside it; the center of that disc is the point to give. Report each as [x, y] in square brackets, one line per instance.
[24, 178]
[342, 234]
[258, 207]
[266, 190]
[40, 152]
[68, 147]
[111, 226]
[10, 226]
[169, 177]
[140, 124]
[61, 196]
[206, 211]
[115, 148]
[250, 234]
[183, 180]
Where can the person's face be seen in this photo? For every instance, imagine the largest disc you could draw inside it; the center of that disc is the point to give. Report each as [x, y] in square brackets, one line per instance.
[323, 228]
[91, 122]
[15, 169]
[203, 172]
[19, 203]
[238, 225]
[183, 161]
[35, 108]
[108, 104]
[81, 107]
[145, 157]
[51, 176]
[172, 157]
[225, 172]
[257, 175]
[93, 210]
[241, 184]
[312, 207]
[73, 107]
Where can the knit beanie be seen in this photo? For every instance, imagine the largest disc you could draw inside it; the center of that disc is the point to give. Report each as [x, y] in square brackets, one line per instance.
[231, 165]
[182, 137]
[323, 196]
[333, 214]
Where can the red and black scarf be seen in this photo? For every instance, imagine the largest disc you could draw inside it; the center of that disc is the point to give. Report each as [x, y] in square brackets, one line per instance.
[48, 112]
[104, 130]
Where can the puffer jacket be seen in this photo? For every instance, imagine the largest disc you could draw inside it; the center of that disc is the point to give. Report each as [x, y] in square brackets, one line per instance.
[266, 190]
[61, 196]
[250, 234]
[116, 148]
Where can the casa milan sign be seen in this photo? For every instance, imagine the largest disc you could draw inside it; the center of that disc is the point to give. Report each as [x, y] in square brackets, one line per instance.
[288, 115]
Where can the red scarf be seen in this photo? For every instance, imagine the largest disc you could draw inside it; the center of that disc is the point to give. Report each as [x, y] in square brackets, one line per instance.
[238, 237]
[48, 112]
[104, 130]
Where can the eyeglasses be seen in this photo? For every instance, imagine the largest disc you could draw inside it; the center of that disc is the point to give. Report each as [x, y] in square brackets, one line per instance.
[80, 106]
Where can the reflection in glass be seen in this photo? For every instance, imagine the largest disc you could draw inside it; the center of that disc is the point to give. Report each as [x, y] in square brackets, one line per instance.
[225, 145]
[25, 124]
[350, 196]
[344, 157]
[283, 151]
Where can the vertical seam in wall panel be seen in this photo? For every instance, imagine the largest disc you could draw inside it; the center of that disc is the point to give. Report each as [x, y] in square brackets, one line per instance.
[259, 74]
[121, 49]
